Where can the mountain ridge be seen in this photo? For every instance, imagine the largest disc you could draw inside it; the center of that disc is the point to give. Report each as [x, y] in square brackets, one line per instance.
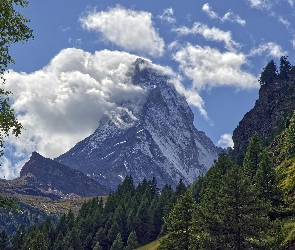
[42, 176]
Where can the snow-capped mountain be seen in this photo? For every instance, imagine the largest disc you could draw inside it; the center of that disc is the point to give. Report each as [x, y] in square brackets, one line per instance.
[150, 136]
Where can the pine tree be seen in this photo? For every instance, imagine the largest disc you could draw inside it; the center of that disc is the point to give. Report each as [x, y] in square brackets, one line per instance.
[18, 238]
[88, 242]
[268, 73]
[132, 242]
[180, 188]
[30, 236]
[266, 181]
[179, 224]
[289, 140]
[113, 231]
[197, 187]
[251, 161]
[240, 221]
[156, 218]
[4, 240]
[142, 221]
[120, 217]
[58, 243]
[72, 239]
[39, 242]
[47, 230]
[212, 181]
[285, 68]
[97, 246]
[118, 243]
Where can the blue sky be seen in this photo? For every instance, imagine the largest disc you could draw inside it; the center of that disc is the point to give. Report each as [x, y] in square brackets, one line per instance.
[72, 72]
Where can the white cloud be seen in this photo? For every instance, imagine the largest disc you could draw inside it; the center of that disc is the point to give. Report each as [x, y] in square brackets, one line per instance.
[208, 10]
[63, 103]
[285, 22]
[225, 141]
[228, 16]
[65, 29]
[269, 48]
[261, 4]
[167, 16]
[210, 34]
[293, 43]
[193, 98]
[208, 68]
[291, 2]
[129, 29]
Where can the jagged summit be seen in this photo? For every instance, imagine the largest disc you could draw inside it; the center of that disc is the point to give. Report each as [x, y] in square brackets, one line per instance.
[151, 136]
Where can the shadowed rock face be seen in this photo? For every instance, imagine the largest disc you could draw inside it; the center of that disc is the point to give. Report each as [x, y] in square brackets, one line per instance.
[46, 177]
[276, 102]
[150, 136]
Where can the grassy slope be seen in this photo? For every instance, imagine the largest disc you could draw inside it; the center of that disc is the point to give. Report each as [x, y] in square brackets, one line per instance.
[285, 169]
[151, 246]
[53, 207]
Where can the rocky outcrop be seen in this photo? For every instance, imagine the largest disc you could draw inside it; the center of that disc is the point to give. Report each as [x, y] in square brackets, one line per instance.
[41, 176]
[276, 102]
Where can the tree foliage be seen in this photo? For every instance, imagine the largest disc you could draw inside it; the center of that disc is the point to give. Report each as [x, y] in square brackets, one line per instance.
[118, 243]
[251, 160]
[132, 242]
[266, 181]
[289, 140]
[13, 29]
[4, 240]
[240, 221]
[269, 73]
[131, 215]
[179, 224]
[285, 68]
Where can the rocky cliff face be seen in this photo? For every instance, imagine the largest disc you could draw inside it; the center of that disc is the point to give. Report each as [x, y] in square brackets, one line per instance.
[45, 177]
[152, 136]
[276, 102]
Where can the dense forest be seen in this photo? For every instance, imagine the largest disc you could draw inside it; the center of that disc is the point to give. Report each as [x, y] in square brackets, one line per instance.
[231, 207]
[131, 216]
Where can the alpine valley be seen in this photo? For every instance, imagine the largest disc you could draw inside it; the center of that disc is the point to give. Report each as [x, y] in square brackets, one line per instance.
[170, 186]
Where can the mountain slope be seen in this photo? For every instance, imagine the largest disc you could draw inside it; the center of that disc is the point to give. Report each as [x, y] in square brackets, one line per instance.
[150, 136]
[45, 177]
[276, 102]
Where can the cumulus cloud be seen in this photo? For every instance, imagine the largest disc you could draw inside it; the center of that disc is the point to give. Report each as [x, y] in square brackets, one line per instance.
[167, 16]
[193, 98]
[210, 34]
[269, 48]
[63, 103]
[208, 67]
[225, 141]
[228, 16]
[129, 29]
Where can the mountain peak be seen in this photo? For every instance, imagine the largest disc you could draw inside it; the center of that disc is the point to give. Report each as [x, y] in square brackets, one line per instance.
[153, 136]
